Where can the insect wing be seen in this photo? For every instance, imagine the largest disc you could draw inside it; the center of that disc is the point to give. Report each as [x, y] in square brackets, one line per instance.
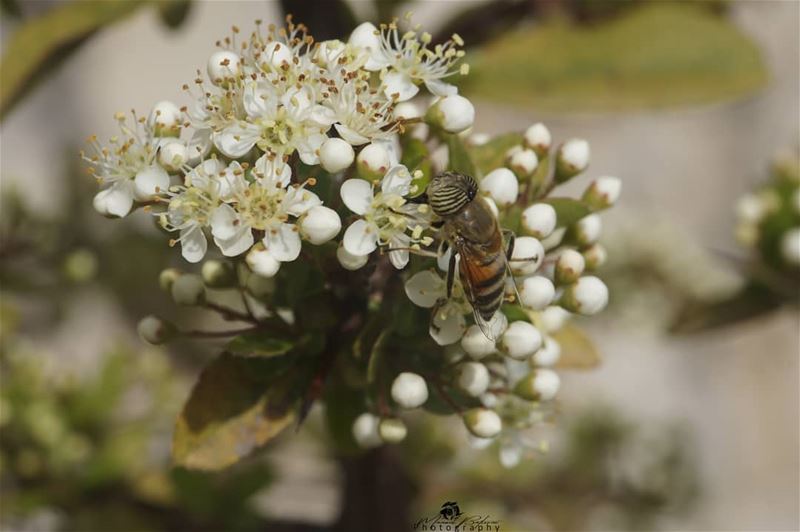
[471, 274]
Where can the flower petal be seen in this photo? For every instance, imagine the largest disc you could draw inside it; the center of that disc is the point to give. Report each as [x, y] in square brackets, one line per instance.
[357, 195]
[399, 258]
[283, 242]
[308, 149]
[199, 145]
[361, 238]
[193, 244]
[350, 135]
[272, 171]
[396, 181]
[119, 199]
[240, 242]
[298, 201]
[256, 100]
[397, 84]
[447, 327]
[425, 288]
[236, 140]
[438, 87]
[150, 181]
[225, 222]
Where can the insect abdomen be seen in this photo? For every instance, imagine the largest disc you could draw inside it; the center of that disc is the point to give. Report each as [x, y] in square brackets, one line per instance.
[488, 285]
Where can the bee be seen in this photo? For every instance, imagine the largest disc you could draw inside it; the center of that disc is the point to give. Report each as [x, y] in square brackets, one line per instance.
[473, 233]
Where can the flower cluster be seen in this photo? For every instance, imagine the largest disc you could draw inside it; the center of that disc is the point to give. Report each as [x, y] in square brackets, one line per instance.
[768, 219]
[288, 140]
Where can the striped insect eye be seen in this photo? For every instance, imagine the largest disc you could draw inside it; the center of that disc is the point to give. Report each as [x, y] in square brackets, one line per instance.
[450, 192]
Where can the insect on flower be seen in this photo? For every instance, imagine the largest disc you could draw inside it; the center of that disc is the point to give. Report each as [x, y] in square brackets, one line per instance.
[483, 249]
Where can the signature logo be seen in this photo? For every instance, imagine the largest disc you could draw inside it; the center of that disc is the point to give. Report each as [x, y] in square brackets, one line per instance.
[451, 519]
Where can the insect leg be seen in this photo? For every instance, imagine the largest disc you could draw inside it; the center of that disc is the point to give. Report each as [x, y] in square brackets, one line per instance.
[451, 274]
[422, 252]
[509, 235]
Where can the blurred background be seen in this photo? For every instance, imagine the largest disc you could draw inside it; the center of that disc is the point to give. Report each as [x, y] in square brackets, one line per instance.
[679, 425]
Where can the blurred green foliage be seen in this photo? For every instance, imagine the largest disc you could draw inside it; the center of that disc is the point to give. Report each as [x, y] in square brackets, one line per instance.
[654, 55]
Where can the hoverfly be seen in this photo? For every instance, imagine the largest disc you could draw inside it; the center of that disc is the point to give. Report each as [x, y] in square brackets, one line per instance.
[471, 230]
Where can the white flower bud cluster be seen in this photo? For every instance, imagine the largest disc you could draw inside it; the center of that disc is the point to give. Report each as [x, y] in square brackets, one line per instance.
[768, 219]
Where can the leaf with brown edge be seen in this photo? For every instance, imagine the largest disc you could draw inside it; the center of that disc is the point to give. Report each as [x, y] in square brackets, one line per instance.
[577, 350]
[238, 405]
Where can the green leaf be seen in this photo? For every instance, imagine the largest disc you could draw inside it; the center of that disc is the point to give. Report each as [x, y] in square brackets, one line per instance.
[259, 345]
[174, 12]
[238, 405]
[752, 301]
[459, 159]
[577, 350]
[492, 154]
[568, 210]
[516, 313]
[41, 43]
[658, 54]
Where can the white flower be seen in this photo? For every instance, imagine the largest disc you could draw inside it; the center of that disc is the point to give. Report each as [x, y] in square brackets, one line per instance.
[165, 119]
[483, 423]
[360, 113]
[587, 230]
[387, 218]
[501, 185]
[587, 296]
[476, 344]
[524, 162]
[527, 256]
[349, 261]
[336, 155]
[365, 37]
[569, 266]
[538, 138]
[232, 234]
[392, 430]
[539, 220]
[473, 378]
[320, 224]
[262, 262]
[603, 192]
[223, 66]
[548, 354]
[572, 159]
[154, 330]
[539, 385]
[365, 431]
[188, 289]
[426, 289]
[409, 390]
[536, 292]
[408, 61]
[790, 246]
[521, 340]
[278, 123]
[452, 113]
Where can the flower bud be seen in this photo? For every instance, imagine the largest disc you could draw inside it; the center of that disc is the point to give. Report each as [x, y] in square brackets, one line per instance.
[165, 119]
[538, 385]
[483, 423]
[587, 296]
[167, 277]
[569, 267]
[572, 159]
[603, 192]
[538, 138]
[173, 155]
[501, 185]
[476, 344]
[336, 155]
[320, 224]
[587, 230]
[392, 430]
[365, 431]
[218, 274]
[373, 161]
[524, 163]
[548, 354]
[553, 318]
[409, 390]
[262, 262]
[539, 220]
[275, 54]
[188, 289]
[156, 331]
[223, 65]
[594, 256]
[536, 292]
[790, 246]
[473, 378]
[407, 111]
[521, 340]
[527, 256]
[452, 113]
[349, 261]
